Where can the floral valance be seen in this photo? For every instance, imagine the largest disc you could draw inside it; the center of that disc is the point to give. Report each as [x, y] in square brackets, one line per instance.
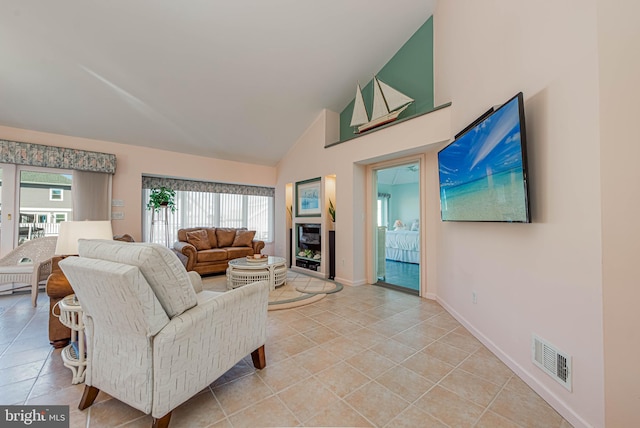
[149, 182]
[56, 157]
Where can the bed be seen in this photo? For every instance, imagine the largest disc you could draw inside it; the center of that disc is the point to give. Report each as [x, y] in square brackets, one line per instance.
[403, 245]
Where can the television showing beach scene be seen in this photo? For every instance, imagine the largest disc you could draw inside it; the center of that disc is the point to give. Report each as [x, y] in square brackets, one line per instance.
[483, 174]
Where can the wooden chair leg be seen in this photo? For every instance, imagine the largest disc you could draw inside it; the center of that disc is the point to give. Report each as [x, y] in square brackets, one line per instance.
[259, 358]
[163, 422]
[88, 396]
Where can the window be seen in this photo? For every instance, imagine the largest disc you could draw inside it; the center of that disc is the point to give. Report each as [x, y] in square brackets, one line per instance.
[60, 217]
[196, 208]
[55, 194]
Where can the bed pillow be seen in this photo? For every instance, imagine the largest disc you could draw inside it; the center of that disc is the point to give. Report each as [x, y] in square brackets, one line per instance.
[416, 225]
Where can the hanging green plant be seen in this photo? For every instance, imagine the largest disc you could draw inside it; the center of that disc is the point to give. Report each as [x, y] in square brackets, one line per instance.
[162, 197]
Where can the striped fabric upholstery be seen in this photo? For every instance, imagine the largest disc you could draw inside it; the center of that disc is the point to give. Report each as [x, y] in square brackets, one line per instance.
[159, 265]
[140, 355]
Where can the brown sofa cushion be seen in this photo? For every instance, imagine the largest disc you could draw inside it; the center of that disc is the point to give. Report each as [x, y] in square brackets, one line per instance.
[212, 255]
[237, 252]
[243, 238]
[225, 237]
[199, 239]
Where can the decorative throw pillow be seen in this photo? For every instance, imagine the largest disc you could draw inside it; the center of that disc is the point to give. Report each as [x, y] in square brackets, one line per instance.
[225, 237]
[243, 238]
[199, 239]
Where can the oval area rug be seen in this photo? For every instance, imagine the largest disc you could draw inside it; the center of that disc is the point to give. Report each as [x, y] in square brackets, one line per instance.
[299, 289]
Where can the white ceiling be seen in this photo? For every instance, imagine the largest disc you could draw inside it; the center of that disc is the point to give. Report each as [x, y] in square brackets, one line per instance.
[236, 79]
[403, 174]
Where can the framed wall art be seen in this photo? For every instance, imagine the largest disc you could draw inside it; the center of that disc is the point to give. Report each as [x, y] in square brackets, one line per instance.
[308, 198]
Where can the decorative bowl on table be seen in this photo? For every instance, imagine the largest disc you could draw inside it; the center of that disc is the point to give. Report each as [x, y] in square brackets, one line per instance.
[261, 259]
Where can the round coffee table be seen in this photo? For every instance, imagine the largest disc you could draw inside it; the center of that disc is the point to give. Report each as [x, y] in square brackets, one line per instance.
[242, 272]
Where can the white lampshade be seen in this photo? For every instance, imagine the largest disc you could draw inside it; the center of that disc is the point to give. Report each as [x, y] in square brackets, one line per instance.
[71, 231]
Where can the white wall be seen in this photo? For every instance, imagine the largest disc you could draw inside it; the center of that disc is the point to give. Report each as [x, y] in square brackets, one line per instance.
[619, 34]
[347, 161]
[133, 161]
[546, 277]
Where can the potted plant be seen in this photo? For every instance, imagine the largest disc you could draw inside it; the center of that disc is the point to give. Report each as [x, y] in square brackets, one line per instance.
[332, 211]
[162, 197]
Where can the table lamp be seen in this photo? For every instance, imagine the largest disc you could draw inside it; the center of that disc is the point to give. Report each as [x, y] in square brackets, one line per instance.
[71, 231]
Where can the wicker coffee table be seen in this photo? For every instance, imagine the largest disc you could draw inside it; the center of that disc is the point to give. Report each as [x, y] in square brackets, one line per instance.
[242, 272]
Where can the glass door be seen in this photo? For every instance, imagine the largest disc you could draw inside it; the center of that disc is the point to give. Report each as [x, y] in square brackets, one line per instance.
[398, 227]
[33, 203]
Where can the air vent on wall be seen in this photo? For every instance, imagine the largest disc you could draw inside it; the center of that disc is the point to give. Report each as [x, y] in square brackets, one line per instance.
[555, 363]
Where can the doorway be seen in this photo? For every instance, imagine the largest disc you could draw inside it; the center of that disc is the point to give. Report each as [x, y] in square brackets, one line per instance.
[398, 226]
[33, 202]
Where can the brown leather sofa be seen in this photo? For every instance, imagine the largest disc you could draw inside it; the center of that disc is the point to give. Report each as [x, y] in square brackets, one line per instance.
[57, 288]
[209, 249]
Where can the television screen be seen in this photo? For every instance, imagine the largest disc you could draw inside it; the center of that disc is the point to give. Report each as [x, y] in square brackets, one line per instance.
[483, 172]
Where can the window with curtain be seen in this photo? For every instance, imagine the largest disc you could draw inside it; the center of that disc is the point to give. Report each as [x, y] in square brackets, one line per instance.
[211, 205]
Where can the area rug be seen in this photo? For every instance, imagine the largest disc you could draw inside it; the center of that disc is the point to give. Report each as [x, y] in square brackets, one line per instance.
[299, 290]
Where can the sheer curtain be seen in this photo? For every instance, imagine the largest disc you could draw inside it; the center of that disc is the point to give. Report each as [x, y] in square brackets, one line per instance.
[91, 193]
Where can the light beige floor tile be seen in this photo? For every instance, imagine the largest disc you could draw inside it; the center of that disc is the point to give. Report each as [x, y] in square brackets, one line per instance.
[16, 393]
[303, 324]
[417, 337]
[338, 365]
[430, 368]
[470, 387]
[450, 408]
[295, 344]
[307, 398]
[199, 411]
[393, 350]
[371, 363]
[338, 414]
[487, 366]
[413, 417]
[463, 342]
[404, 382]
[342, 379]
[321, 334]
[270, 412]
[376, 403]
[444, 321]
[241, 393]
[492, 420]
[365, 337]
[446, 353]
[20, 372]
[283, 374]
[317, 359]
[528, 410]
[111, 413]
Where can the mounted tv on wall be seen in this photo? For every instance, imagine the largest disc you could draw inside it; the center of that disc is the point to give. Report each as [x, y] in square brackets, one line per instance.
[483, 172]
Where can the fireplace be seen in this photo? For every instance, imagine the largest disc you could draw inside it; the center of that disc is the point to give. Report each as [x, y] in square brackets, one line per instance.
[308, 251]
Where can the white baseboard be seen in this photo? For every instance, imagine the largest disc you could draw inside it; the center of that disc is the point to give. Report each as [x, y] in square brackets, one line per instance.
[559, 405]
[351, 283]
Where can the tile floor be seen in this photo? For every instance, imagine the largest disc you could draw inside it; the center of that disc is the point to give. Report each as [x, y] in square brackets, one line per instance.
[366, 356]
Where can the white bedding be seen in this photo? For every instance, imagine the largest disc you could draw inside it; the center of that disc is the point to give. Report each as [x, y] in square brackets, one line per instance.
[403, 245]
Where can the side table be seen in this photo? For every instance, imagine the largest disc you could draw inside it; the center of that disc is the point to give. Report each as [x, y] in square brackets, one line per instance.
[73, 355]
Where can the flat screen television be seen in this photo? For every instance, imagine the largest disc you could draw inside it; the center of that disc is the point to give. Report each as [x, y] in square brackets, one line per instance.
[483, 172]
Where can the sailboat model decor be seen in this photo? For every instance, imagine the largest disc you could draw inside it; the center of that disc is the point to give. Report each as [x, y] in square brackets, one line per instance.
[388, 103]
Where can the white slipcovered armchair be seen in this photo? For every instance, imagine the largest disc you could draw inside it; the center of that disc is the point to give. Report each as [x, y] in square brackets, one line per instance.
[154, 338]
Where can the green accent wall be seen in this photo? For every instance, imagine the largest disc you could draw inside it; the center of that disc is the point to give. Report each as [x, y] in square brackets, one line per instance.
[410, 71]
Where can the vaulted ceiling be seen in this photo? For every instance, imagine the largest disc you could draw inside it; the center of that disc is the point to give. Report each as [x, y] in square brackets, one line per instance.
[237, 80]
